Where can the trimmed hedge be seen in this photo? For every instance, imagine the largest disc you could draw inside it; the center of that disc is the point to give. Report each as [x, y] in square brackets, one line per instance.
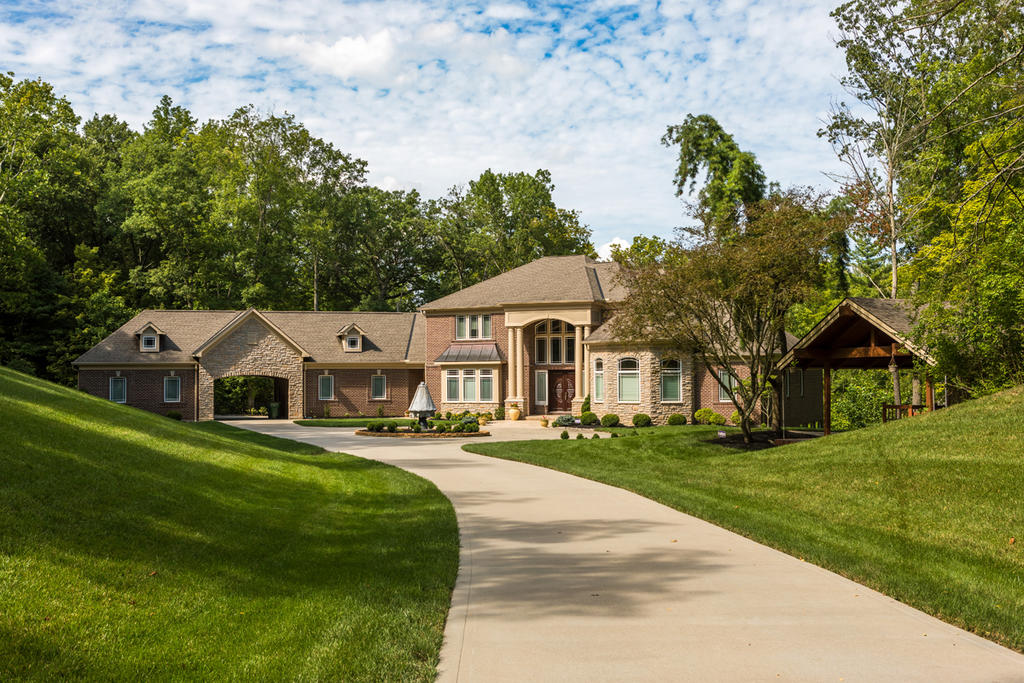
[589, 418]
[676, 419]
[610, 420]
[706, 416]
[565, 434]
[564, 421]
[641, 420]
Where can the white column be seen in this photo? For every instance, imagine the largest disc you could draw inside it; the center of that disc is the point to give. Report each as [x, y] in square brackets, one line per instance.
[511, 364]
[519, 366]
[586, 363]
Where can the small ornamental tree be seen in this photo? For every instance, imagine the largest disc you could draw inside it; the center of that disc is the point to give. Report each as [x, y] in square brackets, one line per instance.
[724, 295]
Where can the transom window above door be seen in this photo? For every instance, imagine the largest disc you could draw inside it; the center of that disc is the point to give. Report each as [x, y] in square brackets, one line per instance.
[555, 343]
[473, 326]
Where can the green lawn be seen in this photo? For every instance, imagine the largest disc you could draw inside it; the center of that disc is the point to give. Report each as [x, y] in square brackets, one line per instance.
[352, 421]
[134, 547]
[922, 510]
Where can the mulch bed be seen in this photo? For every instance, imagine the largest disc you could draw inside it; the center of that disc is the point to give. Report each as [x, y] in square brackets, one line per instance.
[422, 435]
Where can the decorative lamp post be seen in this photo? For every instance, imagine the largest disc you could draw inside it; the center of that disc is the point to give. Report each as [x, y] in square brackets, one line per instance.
[422, 405]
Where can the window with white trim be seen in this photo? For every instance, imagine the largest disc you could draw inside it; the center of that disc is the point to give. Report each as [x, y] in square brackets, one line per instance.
[378, 387]
[671, 381]
[555, 343]
[725, 379]
[172, 389]
[325, 387]
[486, 385]
[629, 380]
[451, 386]
[469, 385]
[353, 342]
[118, 389]
[477, 326]
[149, 342]
[599, 381]
[541, 388]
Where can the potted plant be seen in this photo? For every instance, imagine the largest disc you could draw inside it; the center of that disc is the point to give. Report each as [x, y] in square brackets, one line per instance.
[513, 412]
[481, 420]
[544, 422]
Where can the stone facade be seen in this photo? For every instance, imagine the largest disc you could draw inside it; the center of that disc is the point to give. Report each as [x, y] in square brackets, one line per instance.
[352, 392]
[144, 388]
[252, 348]
[650, 384]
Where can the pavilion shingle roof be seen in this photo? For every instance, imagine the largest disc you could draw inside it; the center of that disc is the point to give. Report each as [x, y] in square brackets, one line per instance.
[389, 337]
[552, 279]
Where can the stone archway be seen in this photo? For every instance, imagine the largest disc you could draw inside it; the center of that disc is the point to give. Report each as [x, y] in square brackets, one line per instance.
[251, 348]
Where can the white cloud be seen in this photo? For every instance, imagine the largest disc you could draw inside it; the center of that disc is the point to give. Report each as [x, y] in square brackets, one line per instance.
[604, 252]
[431, 93]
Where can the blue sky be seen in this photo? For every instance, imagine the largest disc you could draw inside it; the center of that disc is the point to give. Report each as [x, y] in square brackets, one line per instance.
[432, 93]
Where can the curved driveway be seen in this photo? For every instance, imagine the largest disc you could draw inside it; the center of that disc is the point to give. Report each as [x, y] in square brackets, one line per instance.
[565, 579]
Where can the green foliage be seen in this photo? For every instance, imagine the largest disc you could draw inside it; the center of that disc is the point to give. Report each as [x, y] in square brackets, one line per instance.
[239, 395]
[564, 435]
[564, 421]
[173, 414]
[440, 427]
[610, 420]
[579, 437]
[642, 420]
[595, 436]
[615, 435]
[676, 419]
[585, 408]
[589, 419]
[735, 417]
[499, 413]
[391, 426]
[417, 427]
[707, 416]
[458, 428]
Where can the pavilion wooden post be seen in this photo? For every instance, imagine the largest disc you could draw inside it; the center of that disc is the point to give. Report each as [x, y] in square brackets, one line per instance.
[827, 397]
[929, 392]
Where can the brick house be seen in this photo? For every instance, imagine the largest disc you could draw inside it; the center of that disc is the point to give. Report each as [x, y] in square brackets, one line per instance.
[537, 336]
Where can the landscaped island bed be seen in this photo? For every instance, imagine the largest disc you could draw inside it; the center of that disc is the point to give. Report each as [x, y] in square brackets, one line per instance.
[136, 547]
[927, 510]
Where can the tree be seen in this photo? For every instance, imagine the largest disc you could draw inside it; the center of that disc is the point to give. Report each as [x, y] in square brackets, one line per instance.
[726, 300]
[733, 178]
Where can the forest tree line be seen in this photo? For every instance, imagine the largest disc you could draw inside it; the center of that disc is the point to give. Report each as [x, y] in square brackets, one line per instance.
[99, 221]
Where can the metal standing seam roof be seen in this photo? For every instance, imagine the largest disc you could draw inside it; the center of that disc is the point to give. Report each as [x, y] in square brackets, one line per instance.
[471, 353]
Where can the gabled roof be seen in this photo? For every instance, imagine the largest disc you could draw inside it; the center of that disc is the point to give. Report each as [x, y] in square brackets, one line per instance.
[861, 333]
[348, 328]
[548, 280]
[148, 326]
[238, 320]
[387, 337]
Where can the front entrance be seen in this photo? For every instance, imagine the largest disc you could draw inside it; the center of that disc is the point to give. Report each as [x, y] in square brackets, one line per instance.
[561, 390]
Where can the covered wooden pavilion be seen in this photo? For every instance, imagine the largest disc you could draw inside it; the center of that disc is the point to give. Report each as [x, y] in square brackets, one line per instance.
[861, 333]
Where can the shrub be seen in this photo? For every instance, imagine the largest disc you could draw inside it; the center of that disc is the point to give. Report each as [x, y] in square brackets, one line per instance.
[580, 436]
[564, 421]
[458, 428]
[676, 419]
[706, 416]
[589, 418]
[448, 415]
[596, 436]
[440, 428]
[374, 426]
[470, 421]
[416, 428]
[565, 434]
[735, 417]
[585, 408]
[470, 427]
[499, 413]
[615, 435]
[174, 414]
[392, 426]
[641, 420]
[610, 421]
[380, 411]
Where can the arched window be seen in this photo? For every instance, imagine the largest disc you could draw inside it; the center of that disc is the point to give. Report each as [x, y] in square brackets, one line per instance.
[629, 380]
[555, 343]
[671, 381]
[598, 381]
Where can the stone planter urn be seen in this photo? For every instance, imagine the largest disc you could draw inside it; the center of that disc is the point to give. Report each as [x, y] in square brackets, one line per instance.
[514, 413]
[481, 421]
[544, 422]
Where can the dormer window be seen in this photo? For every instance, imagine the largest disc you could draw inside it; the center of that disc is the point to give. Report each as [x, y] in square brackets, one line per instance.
[149, 338]
[149, 342]
[351, 338]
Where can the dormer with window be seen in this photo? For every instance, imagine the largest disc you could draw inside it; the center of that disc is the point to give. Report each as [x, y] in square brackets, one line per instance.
[351, 338]
[149, 338]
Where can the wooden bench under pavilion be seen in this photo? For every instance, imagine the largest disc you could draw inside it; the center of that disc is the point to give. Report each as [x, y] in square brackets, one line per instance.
[864, 334]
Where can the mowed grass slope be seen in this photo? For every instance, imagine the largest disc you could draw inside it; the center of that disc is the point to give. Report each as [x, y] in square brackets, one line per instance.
[136, 547]
[923, 510]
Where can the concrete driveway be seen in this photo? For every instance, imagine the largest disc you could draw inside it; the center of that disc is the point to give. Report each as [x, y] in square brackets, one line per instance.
[564, 579]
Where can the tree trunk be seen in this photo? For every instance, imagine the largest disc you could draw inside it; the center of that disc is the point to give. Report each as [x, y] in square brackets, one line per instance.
[895, 372]
[915, 390]
[316, 289]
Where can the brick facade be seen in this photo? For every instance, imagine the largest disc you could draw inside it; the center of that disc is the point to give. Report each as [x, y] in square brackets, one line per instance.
[144, 388]
[440, 334]
[352, 392]
[252, 348]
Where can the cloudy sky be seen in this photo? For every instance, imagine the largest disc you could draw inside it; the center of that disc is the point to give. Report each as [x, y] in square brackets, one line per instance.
[432, 93]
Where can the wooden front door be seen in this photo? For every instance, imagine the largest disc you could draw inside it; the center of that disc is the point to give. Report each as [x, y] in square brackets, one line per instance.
[561, 390]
